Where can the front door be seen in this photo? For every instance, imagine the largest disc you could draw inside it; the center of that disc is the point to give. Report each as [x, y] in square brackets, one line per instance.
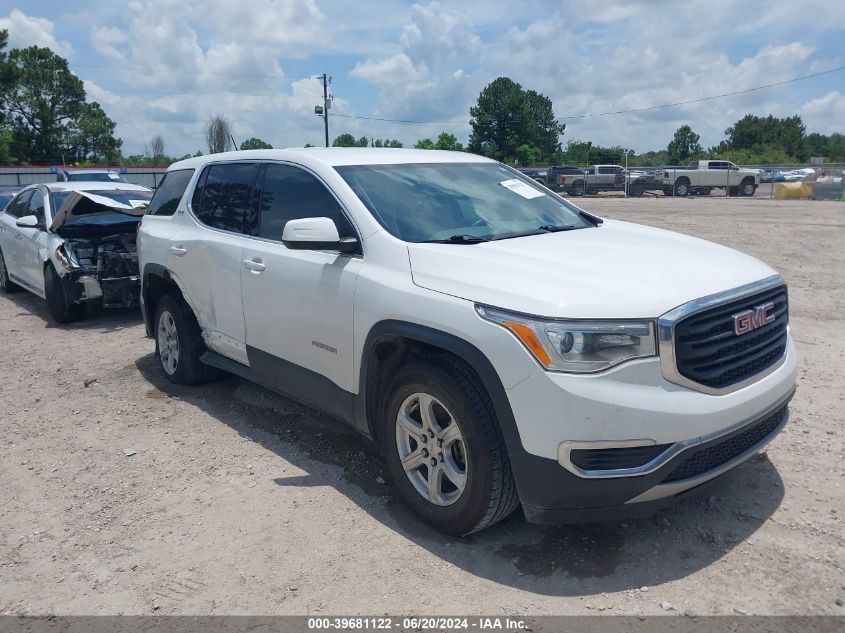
[298, 304]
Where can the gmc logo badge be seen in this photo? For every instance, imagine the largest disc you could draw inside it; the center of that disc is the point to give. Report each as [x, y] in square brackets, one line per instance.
[749, 320]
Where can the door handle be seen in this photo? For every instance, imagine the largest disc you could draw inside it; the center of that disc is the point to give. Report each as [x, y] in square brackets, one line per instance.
[255, 265]
[18, 236]
[178, 251]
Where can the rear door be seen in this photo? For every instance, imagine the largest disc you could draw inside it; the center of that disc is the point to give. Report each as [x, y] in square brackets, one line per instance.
[298, 304]
[206, 253]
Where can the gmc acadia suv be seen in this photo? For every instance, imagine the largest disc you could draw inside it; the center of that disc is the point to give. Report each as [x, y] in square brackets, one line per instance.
[501, 345]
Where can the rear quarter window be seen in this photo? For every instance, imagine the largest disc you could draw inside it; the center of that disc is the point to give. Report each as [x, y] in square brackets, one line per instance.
[170, 192]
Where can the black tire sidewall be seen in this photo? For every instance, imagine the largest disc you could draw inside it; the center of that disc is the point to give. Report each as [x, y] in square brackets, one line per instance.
[464, 515]
[58, 302]
[189, 369]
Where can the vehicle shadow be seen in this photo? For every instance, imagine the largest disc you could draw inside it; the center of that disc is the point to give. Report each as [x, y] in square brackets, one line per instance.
[551, 560]
[110, 320]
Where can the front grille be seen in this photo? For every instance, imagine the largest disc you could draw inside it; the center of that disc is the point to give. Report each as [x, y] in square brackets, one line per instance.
[709, 352]
[615, 458]
[719, 453]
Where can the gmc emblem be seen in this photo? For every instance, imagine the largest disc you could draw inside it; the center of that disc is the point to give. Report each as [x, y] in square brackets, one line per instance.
[748, 320]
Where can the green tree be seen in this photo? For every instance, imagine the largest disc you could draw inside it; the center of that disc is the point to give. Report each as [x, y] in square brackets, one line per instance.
[344, 140]
[448, 142]
[506, 117]
[753, 132]
[43, 101]
[424, 143]
[527, 155]
[44, 108]
[255, 143]
[386, 143]
[91, 136]
[683, 146]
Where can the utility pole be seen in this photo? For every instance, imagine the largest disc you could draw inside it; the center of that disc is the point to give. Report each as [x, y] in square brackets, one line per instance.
[323, 110]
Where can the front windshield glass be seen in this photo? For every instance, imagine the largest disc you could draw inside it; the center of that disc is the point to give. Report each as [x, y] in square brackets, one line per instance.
[436, 201]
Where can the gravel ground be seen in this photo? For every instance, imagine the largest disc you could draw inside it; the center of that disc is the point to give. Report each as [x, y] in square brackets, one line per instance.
[237, 501]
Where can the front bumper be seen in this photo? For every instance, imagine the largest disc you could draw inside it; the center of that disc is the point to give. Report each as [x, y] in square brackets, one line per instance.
[553, 494]
[114, 292]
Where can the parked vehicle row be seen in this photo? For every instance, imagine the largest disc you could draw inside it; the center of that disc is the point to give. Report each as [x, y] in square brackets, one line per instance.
[502, 346]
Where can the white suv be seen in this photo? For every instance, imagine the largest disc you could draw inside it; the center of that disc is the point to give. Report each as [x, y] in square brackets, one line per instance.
[500, 344]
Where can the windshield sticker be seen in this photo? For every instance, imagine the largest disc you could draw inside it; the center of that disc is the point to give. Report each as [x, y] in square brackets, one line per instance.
[523, 189]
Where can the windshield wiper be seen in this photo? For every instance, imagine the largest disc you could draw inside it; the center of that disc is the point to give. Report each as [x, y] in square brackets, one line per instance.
[551, 228]
[458, 239]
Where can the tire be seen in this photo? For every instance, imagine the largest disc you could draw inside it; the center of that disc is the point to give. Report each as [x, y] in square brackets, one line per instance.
[179, 343]
[682, 187]
[578, 189]
[457, 397]
[747, 188]
[59, 303]
[635, 192]
[6, 284]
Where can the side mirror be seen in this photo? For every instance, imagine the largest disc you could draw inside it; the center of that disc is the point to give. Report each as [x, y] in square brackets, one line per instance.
[316, 234]
[28, 222]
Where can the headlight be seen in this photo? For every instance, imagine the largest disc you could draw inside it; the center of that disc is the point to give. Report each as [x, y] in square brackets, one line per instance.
[577, 346]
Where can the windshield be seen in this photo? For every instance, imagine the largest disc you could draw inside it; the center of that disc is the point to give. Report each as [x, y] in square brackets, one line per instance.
[439, 201]
[131, 198]
[102, 176]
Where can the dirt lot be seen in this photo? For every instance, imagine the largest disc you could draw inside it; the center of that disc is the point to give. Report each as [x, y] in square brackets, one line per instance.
[238, 501]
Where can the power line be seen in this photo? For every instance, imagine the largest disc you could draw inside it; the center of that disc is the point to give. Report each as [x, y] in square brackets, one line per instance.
[719, 96]
[628, 111]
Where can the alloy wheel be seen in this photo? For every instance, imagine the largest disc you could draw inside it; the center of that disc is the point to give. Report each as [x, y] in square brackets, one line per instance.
[431, 449]
[168, 343]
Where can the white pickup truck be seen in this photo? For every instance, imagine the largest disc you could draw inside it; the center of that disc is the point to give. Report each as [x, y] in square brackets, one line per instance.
[700, 177]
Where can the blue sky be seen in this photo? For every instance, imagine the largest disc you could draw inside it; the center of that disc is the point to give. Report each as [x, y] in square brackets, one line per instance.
[164, 66]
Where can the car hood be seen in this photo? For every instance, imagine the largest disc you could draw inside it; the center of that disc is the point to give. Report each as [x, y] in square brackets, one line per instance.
[80, 204]
[617, 270]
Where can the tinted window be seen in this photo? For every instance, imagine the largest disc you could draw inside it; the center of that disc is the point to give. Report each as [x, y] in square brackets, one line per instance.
[226, 196]
[717, 164]
[36, 206]
[20, 205]
[610, 170]
[170, 192]
[290, 193]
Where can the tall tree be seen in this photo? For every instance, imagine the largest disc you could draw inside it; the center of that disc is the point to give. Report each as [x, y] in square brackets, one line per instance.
[218, 134]
[43, 100]
[91, 136]
[255, 143]
[683, 146]
[506, 117]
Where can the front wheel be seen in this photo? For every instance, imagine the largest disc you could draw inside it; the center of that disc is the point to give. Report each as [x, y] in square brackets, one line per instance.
[6, 284]
[578, 189]
[59, 303]
[444, 449]
[179, 343]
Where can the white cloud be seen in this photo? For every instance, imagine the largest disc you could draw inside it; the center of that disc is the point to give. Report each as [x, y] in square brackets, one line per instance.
[30, 31]
[825, 114]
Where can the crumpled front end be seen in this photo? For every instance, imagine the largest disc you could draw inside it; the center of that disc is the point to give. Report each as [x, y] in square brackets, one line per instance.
[101, 269]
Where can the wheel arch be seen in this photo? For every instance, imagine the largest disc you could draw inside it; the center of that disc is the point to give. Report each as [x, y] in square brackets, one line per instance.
[156, 282]
[390, 343]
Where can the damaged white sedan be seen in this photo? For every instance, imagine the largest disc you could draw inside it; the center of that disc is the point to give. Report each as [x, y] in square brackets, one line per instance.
[73, 244]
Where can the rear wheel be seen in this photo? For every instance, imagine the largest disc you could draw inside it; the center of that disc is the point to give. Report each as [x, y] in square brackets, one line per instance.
[444, 448]
[179, 343]
[59, 303]
[6, 284]
[682, 188]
